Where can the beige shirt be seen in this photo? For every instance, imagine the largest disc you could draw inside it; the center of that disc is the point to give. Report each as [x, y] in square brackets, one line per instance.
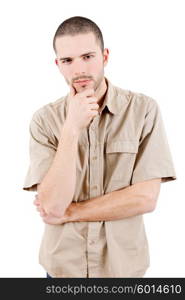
[125, 144]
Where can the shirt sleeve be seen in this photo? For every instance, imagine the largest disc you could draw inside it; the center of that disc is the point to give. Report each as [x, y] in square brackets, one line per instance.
[153, 159]
[42, 150]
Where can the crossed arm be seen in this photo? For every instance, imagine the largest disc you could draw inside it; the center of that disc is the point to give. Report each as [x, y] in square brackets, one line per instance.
[133, 200]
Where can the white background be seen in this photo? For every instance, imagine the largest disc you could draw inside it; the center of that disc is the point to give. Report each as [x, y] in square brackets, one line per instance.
[146, 43]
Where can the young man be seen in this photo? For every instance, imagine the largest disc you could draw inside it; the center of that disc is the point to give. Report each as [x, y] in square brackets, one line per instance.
[97, 158]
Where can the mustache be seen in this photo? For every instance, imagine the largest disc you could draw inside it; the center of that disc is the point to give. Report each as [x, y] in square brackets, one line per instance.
[82, 78]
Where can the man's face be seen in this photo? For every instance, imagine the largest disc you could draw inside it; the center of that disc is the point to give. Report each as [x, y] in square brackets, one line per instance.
[81, 61]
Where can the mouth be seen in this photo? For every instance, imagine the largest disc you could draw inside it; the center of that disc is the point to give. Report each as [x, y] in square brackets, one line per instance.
[85, 81]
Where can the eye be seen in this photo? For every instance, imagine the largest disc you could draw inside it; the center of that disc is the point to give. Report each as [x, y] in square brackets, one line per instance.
[86, 57]
[66, 61]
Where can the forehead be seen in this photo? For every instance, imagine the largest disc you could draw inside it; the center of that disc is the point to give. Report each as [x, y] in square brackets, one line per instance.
[70, 46]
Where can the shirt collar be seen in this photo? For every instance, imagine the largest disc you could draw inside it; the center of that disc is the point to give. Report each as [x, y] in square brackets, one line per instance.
[115, 98]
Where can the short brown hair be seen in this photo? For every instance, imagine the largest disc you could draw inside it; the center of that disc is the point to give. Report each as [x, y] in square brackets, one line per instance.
[76, 25]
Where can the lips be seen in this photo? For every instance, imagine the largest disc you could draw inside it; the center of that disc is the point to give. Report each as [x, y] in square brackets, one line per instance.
[82, 81]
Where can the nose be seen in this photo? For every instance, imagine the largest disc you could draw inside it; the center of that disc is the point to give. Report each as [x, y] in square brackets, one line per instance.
[79, 68]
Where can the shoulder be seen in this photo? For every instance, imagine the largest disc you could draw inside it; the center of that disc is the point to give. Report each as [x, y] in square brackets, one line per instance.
[48, 119]
[50, 108]
[137, 99]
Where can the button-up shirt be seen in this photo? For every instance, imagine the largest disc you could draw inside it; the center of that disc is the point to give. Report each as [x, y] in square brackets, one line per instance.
[125, 143]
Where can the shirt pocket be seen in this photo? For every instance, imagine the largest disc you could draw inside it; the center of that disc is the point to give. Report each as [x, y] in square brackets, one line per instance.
[120, 159]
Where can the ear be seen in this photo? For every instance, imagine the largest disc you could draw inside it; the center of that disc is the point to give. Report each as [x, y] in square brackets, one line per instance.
[56, 61]
[105, 56]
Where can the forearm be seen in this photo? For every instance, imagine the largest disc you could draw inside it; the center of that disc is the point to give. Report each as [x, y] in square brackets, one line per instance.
[128, 202]
[58, 186]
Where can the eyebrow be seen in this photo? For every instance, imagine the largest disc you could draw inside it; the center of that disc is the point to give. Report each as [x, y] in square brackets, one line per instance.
[88, 53]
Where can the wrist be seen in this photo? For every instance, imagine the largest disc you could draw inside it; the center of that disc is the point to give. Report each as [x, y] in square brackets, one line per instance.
[71, 212]
[71, 129]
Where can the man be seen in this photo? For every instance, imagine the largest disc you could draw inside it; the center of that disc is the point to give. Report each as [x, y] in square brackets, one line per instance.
[97, 159]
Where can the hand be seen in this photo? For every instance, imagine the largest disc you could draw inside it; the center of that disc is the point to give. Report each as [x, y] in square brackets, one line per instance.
[48, 218]
[82, 109]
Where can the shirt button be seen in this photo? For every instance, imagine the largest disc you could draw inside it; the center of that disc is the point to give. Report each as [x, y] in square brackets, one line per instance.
[94, 187]
[95, 157]
[91, 242]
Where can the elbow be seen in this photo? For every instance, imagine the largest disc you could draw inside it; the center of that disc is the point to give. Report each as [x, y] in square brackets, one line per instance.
[150, 204]
[50, 208]
[55, 211]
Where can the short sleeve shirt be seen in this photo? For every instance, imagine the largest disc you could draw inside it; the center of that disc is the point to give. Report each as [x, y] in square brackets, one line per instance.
[125, 143]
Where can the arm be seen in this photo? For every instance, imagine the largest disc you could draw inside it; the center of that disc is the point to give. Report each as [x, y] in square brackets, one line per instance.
[59, 182]
[133, 200]
[57, 188]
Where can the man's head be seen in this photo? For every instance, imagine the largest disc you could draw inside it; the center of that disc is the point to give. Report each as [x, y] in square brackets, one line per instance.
[79, 47]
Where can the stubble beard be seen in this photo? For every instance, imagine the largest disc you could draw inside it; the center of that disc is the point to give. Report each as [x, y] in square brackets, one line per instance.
[92, 85]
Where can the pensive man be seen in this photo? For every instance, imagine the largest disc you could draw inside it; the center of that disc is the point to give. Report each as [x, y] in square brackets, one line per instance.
[98, 156]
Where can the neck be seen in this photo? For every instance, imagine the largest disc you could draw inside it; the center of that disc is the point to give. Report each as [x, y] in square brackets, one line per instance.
[101, 91]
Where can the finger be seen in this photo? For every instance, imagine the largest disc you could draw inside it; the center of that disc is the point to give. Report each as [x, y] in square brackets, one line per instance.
[72, 90]
[94, 106]
[87, 92]
[93, 113]
[92, 100]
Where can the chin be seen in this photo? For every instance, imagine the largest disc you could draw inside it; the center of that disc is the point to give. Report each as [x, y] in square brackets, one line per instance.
[84, 87]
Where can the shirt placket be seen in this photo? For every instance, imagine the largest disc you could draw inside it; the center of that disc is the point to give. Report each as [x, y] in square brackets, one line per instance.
[94, 191]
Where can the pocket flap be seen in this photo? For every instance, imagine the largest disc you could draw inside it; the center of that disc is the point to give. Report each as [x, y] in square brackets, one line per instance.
[122, 146]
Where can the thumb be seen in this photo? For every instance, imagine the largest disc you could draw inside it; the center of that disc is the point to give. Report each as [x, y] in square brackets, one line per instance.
[72, 90]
